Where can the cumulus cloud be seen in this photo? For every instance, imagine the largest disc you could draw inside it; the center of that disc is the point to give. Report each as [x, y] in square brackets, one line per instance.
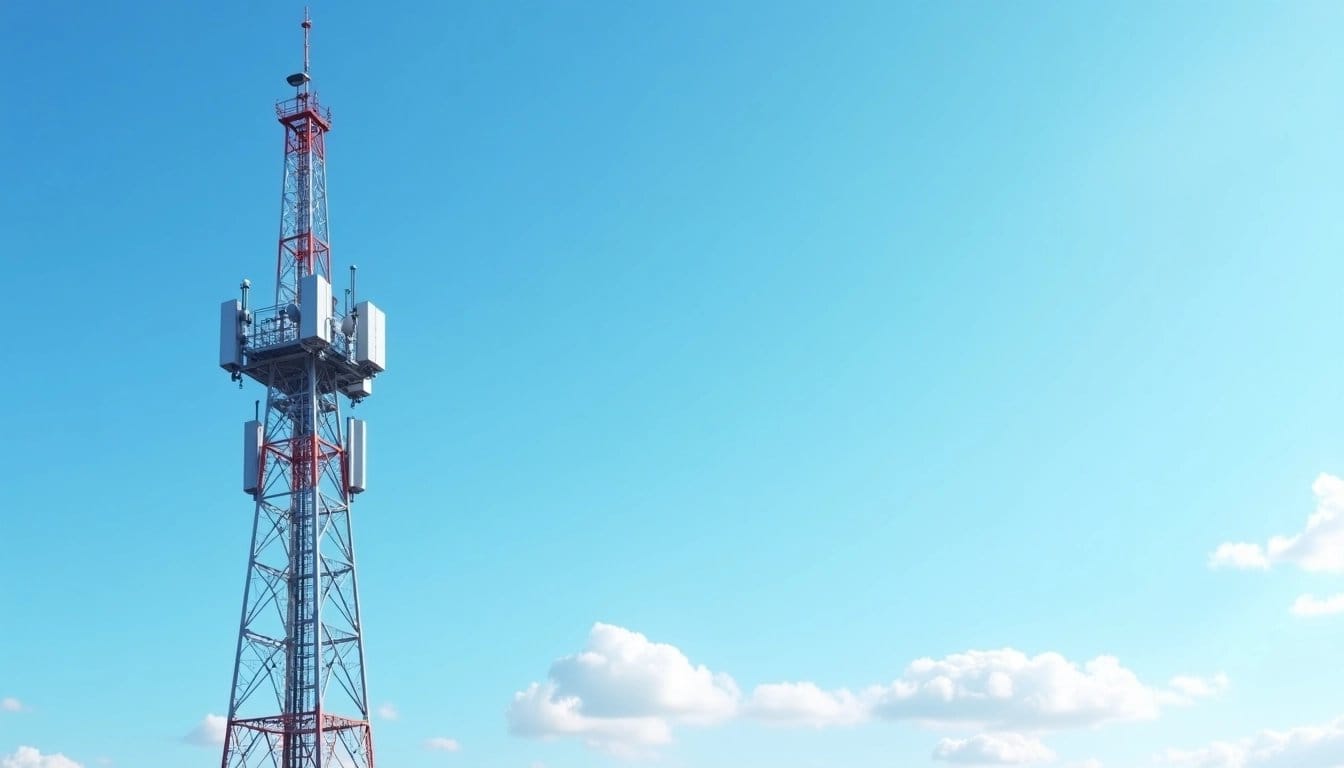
[1006, 690]
[10, 704]
[441, 744]
[621, 673]
[30, 757]
[1311, 745]
[625, 694]
[209, 732]
[388, 712]
[622, 693]
[1310, 605]
[1318, 548]
[540, 712]
[804, 704]
[993, 749]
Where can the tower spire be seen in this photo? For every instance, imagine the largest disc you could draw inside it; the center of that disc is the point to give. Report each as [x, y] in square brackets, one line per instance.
[307, 28]
[304, 241]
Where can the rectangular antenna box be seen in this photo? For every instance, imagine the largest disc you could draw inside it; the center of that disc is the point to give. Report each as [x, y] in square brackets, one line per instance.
[230, 341]
[370, 336]
[356, 436]
[251, 456]
[315, 310]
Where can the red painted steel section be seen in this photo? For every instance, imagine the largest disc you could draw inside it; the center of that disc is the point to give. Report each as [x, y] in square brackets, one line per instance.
[306, 125]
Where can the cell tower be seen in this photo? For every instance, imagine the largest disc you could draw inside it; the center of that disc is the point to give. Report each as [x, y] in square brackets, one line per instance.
[299, 697]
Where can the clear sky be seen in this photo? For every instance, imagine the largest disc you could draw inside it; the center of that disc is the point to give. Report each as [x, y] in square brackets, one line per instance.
[771, 384]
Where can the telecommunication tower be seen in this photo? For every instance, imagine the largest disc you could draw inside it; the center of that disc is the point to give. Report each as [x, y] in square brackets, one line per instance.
[299, 697]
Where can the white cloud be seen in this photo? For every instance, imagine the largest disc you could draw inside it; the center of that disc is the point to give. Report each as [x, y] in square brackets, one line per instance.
[441, 744]
[625, 694]
[540, 712]
[1312, 745]
[11, 704]
[622, 674]
[993, 749]
[622, 693]
[1240, 556]
[1309, 605]
[1091, 762]
[388, 712]
[1006, 689]
[30, 757]
[209, 732]
[1185, 688]
[804, 704]
[1318, 548]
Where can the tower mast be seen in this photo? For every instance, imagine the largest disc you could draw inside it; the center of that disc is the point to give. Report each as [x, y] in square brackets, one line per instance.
[299, 697]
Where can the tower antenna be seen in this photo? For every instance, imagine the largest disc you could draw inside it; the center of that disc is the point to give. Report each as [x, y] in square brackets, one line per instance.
[300, 79]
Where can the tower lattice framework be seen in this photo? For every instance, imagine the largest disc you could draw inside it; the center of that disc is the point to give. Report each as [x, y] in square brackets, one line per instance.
[299, 697]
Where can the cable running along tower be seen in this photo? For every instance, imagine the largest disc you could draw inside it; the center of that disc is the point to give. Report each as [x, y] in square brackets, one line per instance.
[299, 697]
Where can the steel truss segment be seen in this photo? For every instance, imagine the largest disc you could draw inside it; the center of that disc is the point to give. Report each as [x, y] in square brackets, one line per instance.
[304, 240]
[301, 587]
[257, 742]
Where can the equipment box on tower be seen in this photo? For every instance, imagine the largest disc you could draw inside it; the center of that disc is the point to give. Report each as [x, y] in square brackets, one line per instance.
[370, 327]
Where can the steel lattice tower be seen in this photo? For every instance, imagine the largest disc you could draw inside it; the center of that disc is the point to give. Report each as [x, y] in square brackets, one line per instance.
[299, 697]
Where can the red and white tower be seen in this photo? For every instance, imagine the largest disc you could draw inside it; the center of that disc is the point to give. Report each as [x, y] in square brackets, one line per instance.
[299, 697]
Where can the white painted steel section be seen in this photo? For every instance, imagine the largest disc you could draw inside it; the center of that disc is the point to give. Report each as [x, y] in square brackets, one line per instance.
[370, 336]
[230, 335]
[315, 310]
[251, 456]
[357, 439]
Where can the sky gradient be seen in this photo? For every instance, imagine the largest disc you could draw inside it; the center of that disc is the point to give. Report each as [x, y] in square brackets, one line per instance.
[781, 385]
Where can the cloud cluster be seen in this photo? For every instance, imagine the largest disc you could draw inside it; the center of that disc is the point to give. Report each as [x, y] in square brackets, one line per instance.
[622, 674]
[10, 704]
[625, 694]
[1317, 548]
[993, 749]
[30, 757]
[622, 693]
[1006, 690]
[806, 705]
[1310, 605]
[1312, 745]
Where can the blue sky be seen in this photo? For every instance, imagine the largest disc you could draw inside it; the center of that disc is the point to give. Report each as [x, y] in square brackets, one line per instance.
[741, 357]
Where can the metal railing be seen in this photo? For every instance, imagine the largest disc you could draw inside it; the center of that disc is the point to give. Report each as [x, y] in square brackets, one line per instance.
[299, 105]
[278, 326]
[272, 327]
